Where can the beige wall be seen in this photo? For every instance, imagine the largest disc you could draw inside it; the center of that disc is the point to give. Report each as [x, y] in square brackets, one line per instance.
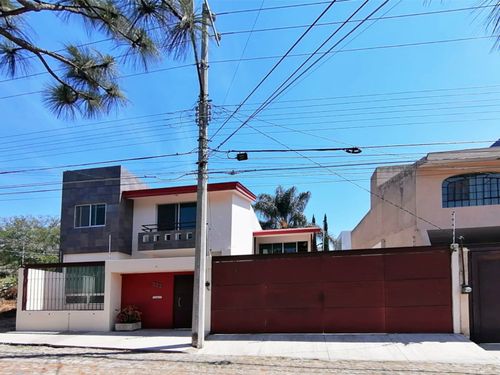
[429, 200]
[386, 225]
[417, 189]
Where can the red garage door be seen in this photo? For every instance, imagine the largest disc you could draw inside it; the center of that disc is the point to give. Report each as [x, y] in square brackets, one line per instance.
[389, 290]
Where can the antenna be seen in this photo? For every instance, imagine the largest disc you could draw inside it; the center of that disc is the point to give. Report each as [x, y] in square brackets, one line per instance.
[453, 226]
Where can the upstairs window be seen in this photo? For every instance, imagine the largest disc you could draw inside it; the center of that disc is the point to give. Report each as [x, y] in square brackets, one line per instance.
[478, 189]
[90, 215]
[176, 216]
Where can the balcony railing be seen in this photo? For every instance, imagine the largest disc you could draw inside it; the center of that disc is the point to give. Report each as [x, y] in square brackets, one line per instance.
[153, 239]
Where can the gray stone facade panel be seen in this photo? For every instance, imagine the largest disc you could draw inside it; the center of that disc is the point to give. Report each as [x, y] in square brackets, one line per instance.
[93, 186]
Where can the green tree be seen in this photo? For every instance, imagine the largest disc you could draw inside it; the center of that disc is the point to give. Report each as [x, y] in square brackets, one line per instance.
[327, 241]
[36, 239]
[85, 80]
[284, 209]
[315, 241]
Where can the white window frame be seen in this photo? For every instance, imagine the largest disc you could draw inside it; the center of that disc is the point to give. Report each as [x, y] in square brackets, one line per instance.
[90, 215]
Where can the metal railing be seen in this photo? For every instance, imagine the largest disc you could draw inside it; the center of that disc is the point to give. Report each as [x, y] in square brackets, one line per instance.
[63, 286]
[166, 239]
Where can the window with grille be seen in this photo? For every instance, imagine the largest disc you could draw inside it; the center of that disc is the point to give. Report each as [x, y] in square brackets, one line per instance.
[478, 189]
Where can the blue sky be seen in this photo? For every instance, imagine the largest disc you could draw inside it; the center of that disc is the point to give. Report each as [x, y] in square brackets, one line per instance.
[446, 91]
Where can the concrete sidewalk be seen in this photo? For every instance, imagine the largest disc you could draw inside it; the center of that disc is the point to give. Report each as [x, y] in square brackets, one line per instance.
[144, 339]
[357, 347]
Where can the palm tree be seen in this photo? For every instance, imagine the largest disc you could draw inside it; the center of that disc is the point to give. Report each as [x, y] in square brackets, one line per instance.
[493, 18]
[283, 210]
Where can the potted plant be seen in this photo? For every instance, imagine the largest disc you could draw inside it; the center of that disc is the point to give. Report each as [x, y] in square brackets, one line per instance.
[128, 319]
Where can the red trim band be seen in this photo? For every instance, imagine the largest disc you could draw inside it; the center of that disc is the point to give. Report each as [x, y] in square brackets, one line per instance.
[272, 232]
[176, 190]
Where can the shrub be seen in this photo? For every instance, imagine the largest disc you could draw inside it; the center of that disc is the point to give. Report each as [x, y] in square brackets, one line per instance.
[8, 288]
[129, 314]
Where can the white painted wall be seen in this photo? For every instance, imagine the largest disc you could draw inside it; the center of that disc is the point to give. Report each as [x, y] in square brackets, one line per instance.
[93, 257]
[145, 212]
[345, 239]
[56, 320]
[219, 221]
[243, 223]
[39, 290]
[102, 320]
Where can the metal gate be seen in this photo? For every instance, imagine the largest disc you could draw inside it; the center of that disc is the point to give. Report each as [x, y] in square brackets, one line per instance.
[384, 290]
[485, 301]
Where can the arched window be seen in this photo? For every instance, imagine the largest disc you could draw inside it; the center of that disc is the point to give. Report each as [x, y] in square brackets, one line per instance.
[476, 189]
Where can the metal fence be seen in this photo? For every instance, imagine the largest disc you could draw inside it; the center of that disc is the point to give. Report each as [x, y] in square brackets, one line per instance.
[63, 286]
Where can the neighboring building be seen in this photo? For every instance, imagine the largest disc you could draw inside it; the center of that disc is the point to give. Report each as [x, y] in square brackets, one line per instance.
[413, 205]
[345, 240]
[123, 243]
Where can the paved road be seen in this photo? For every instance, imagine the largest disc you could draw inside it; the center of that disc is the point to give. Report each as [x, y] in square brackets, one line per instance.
[46, 360]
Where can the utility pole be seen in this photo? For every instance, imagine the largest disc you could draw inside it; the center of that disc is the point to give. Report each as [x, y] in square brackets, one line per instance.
[200, 267]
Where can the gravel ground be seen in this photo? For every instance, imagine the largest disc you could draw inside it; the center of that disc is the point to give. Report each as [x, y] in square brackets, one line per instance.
[48, 360]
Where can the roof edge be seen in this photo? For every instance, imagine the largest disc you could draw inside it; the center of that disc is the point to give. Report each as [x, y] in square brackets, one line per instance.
[177, 190]
[273, 232]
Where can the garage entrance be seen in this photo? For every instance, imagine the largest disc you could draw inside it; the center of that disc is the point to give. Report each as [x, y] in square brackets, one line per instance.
[360, 291]
[485, 280]
[154, 295]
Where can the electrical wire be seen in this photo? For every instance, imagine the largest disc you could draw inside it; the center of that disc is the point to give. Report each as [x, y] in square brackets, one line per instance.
[275, 66]
[280, 89]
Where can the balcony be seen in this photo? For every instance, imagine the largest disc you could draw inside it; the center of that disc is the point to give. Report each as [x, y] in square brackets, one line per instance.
[153, 239]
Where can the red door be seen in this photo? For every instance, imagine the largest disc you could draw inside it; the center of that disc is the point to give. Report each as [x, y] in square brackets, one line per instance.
[152, 293]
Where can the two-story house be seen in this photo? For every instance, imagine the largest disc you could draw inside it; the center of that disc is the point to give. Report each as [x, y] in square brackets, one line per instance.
[420, 204]
[123, 243]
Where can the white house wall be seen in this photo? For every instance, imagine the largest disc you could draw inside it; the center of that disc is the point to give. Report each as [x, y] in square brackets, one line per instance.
[219, 218]
[219, 222]
[56, 320]
[95, 320]
[244, 223]
[93, 257]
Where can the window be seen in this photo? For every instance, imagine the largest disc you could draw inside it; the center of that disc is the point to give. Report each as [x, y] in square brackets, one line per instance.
[90, 215]
[286, 248]
[177, 216]
[477, 189]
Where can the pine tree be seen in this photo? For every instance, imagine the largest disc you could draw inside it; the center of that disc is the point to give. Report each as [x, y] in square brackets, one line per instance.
[84, 79]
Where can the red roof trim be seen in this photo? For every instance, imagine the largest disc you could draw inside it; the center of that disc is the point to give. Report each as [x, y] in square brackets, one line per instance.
[176, 190]
[273, 232]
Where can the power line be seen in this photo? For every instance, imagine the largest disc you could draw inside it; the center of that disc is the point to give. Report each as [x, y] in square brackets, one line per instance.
[137, 128]
[279, 90]
[96, 163]
[397, 16]
[272, 57]
[275, 66]
[323, 149]
[242, 53]
[277, 7]
[95, 123]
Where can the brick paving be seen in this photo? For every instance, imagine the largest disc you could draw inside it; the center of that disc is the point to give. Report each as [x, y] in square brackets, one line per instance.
[47, 360]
